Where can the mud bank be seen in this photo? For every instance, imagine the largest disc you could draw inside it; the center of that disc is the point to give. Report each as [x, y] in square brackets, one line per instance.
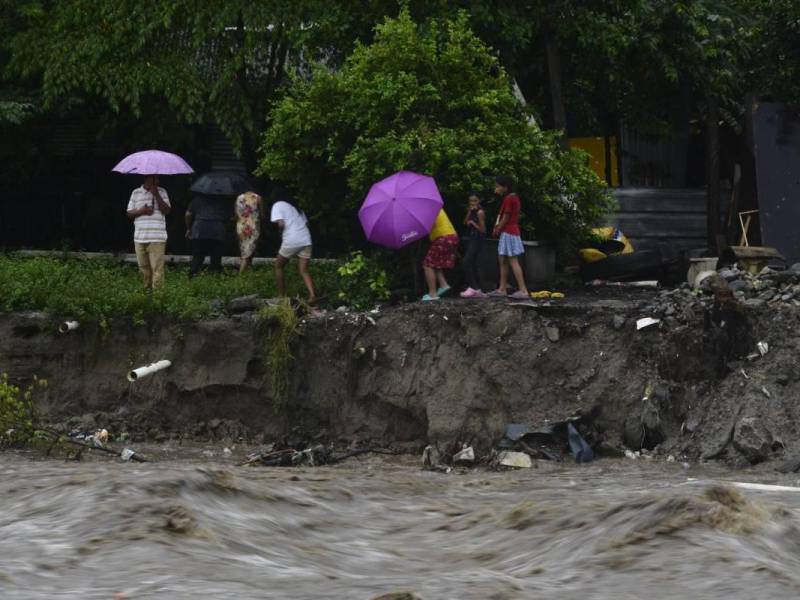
[416, 374]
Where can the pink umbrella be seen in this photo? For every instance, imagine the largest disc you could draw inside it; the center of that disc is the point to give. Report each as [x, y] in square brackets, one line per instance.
[400, 209]
[153, 162]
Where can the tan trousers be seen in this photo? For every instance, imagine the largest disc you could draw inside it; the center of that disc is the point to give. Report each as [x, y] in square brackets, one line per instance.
[150, 257]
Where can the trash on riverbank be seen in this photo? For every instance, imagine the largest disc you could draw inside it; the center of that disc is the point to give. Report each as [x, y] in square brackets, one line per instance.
[514, 460]
[543, 294]
[136, 374]
[68, 326]
[312, 456]
[94, 441]
[651, 284]
[581, 451]
[646, 322]
[465, 456]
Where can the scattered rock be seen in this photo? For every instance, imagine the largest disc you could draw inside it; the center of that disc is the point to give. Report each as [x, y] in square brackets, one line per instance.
[791, 465]
[755, 302]
[752, 439]
[552, 333]
[244, 303]
[738, 286]
[619, 321]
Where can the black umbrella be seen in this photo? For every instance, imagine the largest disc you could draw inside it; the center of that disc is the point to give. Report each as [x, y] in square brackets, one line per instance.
[222, 183]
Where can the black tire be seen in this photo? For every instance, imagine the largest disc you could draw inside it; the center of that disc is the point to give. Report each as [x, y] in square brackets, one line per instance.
[623, 266]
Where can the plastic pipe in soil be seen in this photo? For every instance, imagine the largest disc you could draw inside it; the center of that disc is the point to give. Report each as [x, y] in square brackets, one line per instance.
[137, 374]
[68, 326]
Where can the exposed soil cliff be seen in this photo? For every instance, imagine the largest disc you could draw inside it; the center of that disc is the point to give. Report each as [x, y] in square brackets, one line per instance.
[437, 372]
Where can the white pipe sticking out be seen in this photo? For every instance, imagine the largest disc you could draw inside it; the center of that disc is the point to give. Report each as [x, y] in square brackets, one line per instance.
[68, 326]
[148, 370]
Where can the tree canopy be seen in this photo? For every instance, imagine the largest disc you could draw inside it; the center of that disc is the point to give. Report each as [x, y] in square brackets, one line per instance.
[430, 98]
[661, 66]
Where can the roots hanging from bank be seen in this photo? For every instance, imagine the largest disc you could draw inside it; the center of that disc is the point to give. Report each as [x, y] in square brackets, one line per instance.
[280, 326]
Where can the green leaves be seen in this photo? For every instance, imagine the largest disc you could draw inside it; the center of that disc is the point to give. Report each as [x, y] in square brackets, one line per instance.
[363, 282]
[19, 419]
[98, 290]
[427, 97]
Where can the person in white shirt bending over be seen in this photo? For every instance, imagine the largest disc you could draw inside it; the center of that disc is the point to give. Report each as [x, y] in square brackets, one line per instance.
[295, 240]
[147, 208]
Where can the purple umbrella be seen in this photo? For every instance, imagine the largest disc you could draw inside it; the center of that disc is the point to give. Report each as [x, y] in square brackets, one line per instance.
[153, 162]
[400, 209]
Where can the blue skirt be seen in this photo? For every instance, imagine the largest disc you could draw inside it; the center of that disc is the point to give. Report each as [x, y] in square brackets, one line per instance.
[510, 245]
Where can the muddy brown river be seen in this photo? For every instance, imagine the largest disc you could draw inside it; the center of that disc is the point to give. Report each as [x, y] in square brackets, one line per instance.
[201, 527]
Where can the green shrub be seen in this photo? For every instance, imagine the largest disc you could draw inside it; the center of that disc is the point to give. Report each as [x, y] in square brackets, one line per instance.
[363, 281]
[18, 416]
[431, 98]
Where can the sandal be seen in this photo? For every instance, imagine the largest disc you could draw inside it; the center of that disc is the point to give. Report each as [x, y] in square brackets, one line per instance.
[496, 294]
[429, 298]
[442, 291]
[520, 296]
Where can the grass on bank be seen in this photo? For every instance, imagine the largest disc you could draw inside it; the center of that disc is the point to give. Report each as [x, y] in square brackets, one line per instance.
[101, 290]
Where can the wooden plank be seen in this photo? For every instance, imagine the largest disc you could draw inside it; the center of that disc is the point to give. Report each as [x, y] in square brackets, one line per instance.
[755, 252]
[673, 205]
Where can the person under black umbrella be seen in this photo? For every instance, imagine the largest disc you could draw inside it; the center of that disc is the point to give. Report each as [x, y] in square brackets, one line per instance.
[208, 214]
[206, 220]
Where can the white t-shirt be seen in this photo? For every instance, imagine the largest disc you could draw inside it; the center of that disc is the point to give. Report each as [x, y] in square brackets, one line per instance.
[295, 228]
[148, 228]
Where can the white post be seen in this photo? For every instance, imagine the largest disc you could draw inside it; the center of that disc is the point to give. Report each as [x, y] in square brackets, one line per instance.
[68, 326]
[148, 370]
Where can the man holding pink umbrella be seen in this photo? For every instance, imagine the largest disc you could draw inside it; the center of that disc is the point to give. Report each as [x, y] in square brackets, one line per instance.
[148, 207]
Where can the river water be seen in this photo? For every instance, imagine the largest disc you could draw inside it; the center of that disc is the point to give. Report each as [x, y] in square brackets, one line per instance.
[200, 527]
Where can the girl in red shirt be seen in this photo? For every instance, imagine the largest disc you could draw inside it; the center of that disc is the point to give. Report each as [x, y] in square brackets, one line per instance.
[510, 247]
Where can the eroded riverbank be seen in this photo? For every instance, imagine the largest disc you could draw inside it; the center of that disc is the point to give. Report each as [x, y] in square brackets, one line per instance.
[411, 375]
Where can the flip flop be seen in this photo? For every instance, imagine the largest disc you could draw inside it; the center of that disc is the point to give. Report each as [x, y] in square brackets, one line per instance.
[496, 294]
[442, 291]
[429, 298]
[519, 296]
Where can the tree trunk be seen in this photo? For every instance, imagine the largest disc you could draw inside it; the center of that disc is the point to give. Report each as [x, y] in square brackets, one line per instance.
[712, 173]
[554, 74]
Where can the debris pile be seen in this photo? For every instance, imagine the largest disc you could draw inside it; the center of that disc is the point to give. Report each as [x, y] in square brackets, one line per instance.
[520, 445]
[310, 455]
[728, 288]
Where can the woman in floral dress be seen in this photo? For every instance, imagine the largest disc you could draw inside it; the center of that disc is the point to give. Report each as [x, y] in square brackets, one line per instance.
[249, 210]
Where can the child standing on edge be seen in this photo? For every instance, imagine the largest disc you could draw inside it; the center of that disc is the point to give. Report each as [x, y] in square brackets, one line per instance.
[441, 255]
[476, 233]
[510, 245]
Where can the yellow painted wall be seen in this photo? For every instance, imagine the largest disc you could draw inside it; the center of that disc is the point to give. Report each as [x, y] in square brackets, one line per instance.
[595, 147]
